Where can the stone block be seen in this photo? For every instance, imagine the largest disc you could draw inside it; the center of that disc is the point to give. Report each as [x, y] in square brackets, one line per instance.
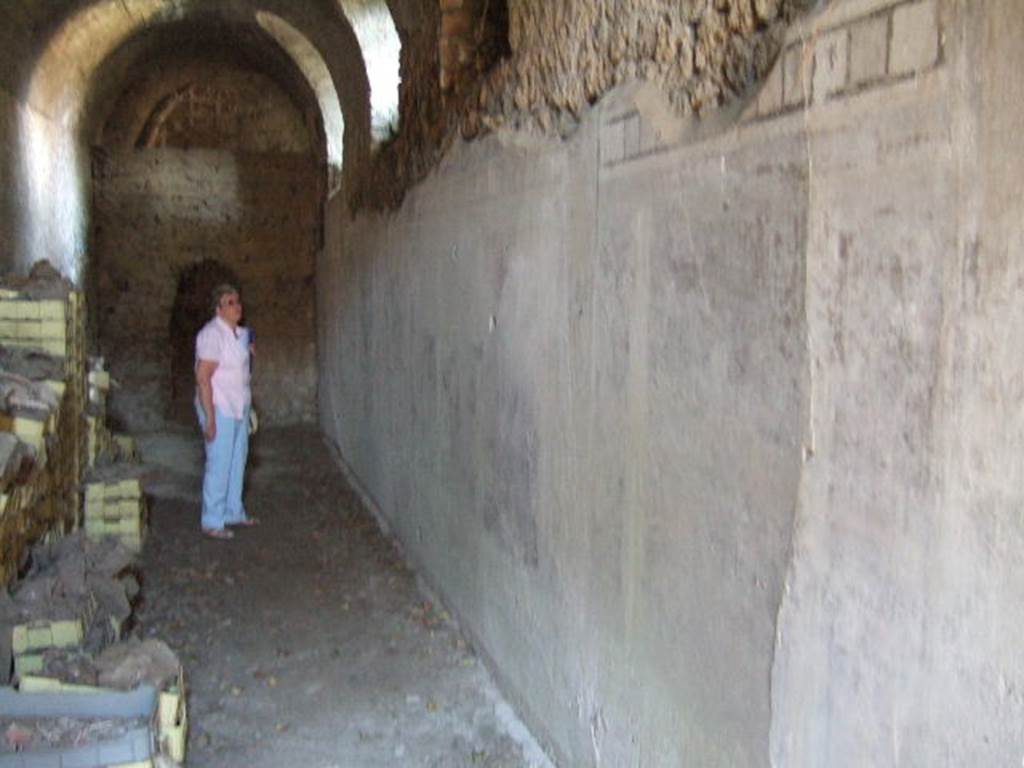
[612, 142]
[631, 136]
[869, 48]
[794, 76]
[831, 60]
[649, 141]
[39, 635]
[915, 38]
[769, 100]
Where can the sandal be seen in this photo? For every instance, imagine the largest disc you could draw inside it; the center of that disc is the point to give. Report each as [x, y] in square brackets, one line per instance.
[247, 522]
[218, 533]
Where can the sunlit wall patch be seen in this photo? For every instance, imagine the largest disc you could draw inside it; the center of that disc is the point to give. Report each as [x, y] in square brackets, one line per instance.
[53, 176]
[378, 39]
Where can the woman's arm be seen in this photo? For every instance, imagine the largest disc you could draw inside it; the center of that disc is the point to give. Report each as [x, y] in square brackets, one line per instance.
[204, 383]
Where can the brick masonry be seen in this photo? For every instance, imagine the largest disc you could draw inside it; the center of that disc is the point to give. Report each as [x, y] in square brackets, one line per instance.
[864, 52]
[870, 51]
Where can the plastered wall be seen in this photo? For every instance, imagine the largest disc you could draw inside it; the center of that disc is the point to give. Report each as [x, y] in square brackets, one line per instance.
[897, 640]
[710, 433]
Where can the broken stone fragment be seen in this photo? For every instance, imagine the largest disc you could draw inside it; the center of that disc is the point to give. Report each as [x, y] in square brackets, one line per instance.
[44, 281]
[16, 459]
[31, 363]
[19, 395]
[126, 665]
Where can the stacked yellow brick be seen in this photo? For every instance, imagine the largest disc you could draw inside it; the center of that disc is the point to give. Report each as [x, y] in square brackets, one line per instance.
[113, 502]
[31, 640]
[46, 500]
[55, 326]
[103, 446]
[41, 324]
[125, 448]
[117, 508]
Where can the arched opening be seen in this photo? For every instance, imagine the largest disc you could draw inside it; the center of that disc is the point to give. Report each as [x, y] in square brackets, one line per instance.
[381, 47]
[207, 159]
[189, 313]
[494, 42]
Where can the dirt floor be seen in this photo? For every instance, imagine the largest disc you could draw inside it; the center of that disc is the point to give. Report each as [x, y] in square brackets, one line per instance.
[306, 641]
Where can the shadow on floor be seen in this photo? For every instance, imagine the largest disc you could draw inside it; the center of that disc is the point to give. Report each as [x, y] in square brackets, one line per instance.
[305, 639]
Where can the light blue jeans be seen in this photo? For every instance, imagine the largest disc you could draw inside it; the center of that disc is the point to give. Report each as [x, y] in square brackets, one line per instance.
[225, 470]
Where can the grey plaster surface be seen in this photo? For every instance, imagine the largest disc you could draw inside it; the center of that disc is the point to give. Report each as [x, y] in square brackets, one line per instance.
[725, 427]
[587, 380]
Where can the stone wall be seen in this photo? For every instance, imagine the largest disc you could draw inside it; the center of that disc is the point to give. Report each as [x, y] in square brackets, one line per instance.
[709, 432]
[170, 225]
[160, 212]
[471, 67]
[208, 104]
[566, 55]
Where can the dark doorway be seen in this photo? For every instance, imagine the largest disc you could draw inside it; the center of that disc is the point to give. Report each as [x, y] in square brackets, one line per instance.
[493, 43]
[192, 309]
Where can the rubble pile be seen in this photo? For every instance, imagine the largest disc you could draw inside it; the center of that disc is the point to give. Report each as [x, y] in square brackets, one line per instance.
[42, 400]
[72, 517]
[72, 582]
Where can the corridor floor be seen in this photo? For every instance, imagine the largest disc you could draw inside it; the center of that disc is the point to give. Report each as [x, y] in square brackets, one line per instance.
[306, 641]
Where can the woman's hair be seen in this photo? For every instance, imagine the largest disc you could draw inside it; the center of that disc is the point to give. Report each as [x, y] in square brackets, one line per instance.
[222, 290]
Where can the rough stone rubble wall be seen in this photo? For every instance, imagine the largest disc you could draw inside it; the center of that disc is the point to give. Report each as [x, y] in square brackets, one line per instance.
[562, 57]
[567, 55]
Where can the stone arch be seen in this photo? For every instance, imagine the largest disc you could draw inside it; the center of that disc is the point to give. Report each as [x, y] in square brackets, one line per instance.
[162, 71]
[60, 86]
